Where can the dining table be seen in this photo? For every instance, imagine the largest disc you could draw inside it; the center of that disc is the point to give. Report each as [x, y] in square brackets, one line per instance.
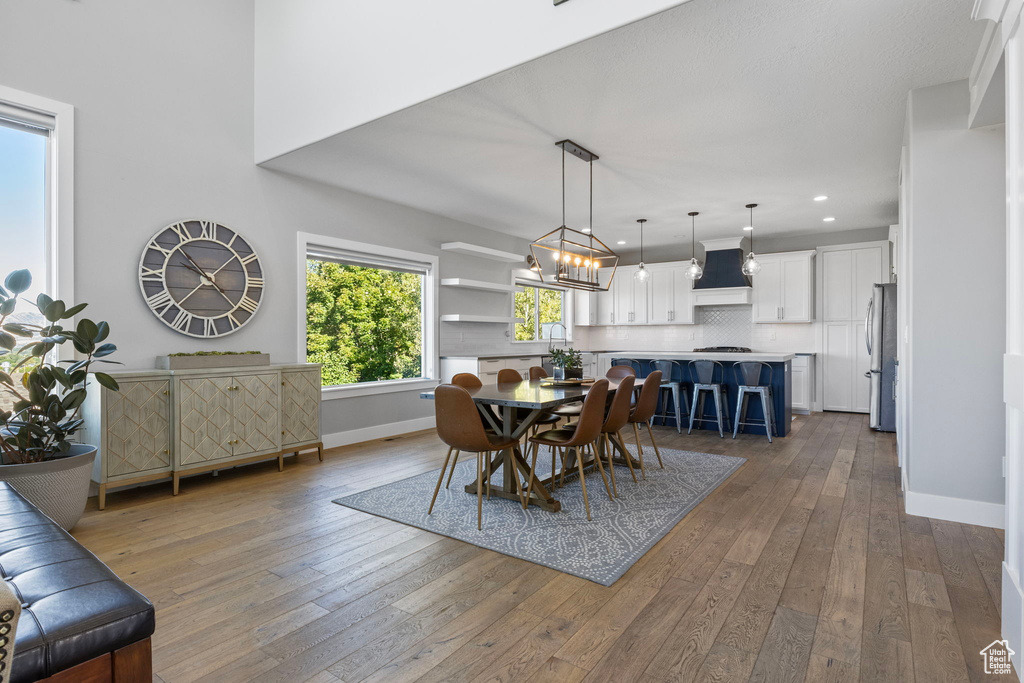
[511, 409]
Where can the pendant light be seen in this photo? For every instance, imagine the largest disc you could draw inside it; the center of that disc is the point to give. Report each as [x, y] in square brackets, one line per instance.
[642, 273]
[579, 256]
[693, 271]
[751, 266]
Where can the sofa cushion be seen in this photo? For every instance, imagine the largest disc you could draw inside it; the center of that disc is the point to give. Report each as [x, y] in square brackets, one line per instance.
[73, 607]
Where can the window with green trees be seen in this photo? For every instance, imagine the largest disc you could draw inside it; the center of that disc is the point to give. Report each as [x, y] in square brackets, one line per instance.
[541, 308]
[363, 323]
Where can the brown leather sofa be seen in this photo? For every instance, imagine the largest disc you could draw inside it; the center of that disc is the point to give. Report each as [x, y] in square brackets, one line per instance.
[77, 621]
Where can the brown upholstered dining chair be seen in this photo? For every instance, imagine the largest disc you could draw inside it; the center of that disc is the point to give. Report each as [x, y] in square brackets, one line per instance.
[537, 372]
[646, 405]
[467, 380]
[509, 376]
[459, 426]
[584, 436]
[620, 371]
[617, 418]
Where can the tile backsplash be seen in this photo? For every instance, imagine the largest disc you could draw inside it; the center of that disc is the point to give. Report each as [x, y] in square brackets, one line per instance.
[727, 326]
[715, 326]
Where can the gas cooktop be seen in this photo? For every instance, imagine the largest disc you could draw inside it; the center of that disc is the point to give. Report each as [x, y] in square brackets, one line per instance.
[723, 349]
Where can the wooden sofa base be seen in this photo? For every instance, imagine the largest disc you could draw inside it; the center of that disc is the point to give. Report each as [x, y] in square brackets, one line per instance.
[131, 664]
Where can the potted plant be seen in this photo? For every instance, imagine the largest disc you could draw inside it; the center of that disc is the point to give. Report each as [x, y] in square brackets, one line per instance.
[567, 363]
[40, 410]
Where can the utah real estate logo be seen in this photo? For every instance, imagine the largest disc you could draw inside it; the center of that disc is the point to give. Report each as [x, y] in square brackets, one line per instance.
[997, 657]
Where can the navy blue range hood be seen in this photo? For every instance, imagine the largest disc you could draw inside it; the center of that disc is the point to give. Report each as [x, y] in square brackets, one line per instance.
[722, 268]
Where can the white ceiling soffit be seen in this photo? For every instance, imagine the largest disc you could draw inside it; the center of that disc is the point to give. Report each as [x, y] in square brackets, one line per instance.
[705, 107]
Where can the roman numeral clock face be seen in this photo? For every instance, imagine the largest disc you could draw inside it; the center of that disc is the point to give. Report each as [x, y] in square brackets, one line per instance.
[201, 278]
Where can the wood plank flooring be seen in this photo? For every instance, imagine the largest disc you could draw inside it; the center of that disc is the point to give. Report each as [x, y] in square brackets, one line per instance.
[801, 567]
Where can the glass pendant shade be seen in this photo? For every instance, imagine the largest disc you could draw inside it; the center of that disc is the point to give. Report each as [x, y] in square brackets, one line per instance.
[694, 271]
[751, 266]
[642, 273]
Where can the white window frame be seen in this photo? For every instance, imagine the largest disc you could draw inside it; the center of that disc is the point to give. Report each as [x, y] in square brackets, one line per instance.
[568, 309]
[60, 194]
[429, 380]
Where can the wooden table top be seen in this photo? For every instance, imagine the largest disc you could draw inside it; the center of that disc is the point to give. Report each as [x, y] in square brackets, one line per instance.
[527, 394]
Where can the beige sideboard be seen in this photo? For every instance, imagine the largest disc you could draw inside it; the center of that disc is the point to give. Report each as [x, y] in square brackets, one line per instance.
[169, 423]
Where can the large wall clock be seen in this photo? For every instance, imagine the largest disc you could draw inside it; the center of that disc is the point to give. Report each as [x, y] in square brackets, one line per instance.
[201, 278]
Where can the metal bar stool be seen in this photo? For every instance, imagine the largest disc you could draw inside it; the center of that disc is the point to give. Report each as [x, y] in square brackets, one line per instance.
[633, 363]
[748, 377]
[670, 369]
[709, 377]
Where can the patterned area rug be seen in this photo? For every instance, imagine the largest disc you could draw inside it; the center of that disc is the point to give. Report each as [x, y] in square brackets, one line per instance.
[600, 550]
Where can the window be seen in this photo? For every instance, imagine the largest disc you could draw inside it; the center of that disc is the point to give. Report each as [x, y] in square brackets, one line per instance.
[544, 312]
[35, 220]
[367, 314]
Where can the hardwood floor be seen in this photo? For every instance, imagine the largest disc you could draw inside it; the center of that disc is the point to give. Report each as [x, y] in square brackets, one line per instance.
[801, 567]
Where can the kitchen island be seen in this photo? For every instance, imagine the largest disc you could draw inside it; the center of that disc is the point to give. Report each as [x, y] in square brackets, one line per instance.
[782, 382]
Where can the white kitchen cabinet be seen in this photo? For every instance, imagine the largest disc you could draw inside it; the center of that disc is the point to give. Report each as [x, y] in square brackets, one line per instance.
[630, 297]
[784, 289]
[846, 361]
[605, 304]
[584, 308]
[662, 294]
[848, 278]
[803, 383]
[669, 295]
[848, 274]
[487, 368]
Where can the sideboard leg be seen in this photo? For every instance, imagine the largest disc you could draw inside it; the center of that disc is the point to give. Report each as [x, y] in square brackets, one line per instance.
[102, 499]
[280, 462]
[176, 479]
[320, 451]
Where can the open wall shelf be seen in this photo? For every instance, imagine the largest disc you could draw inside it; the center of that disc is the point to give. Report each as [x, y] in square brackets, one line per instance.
[479, 284]
[467, 318]
[483, 252]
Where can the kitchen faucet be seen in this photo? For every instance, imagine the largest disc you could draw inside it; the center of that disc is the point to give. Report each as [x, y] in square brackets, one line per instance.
[565, 334]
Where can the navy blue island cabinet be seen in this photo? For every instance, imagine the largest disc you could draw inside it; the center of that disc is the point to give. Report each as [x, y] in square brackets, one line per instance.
[781, 382]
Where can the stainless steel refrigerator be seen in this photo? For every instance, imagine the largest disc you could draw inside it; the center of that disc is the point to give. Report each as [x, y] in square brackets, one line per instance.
[881, 331]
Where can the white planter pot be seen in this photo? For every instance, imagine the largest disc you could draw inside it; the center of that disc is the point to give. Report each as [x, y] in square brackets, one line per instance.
[59, 488]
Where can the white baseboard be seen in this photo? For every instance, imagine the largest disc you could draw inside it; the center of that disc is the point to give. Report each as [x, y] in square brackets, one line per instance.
[377, 432]
[954, 509]
[1013, 616]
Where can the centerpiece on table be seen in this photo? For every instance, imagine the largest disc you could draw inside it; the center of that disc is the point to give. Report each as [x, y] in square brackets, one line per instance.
[41, 400]
[567, 363]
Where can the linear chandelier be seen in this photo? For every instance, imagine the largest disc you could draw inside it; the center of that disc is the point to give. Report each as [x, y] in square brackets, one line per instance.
[579, 258]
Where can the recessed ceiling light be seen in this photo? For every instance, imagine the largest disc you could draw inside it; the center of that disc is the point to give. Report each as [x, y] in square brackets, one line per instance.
[748, 227]
[621, 242]
[821, 198]
[586, 230]
[828, 219]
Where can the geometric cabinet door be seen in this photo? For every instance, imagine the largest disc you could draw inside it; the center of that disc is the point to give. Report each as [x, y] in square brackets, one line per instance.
[300, 407]
[138, 428]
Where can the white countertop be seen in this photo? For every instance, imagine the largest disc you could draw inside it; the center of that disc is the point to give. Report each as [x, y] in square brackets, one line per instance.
[766, 357]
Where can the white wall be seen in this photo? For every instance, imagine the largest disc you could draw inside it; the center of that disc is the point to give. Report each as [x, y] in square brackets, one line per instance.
[325, 66]
[164, 108]
[956, 297]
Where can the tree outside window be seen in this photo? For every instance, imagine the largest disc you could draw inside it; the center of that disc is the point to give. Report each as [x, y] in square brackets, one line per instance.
[541, 308]
[363, 324]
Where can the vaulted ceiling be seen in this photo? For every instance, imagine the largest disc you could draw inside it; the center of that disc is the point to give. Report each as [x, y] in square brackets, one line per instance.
[705, 107]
